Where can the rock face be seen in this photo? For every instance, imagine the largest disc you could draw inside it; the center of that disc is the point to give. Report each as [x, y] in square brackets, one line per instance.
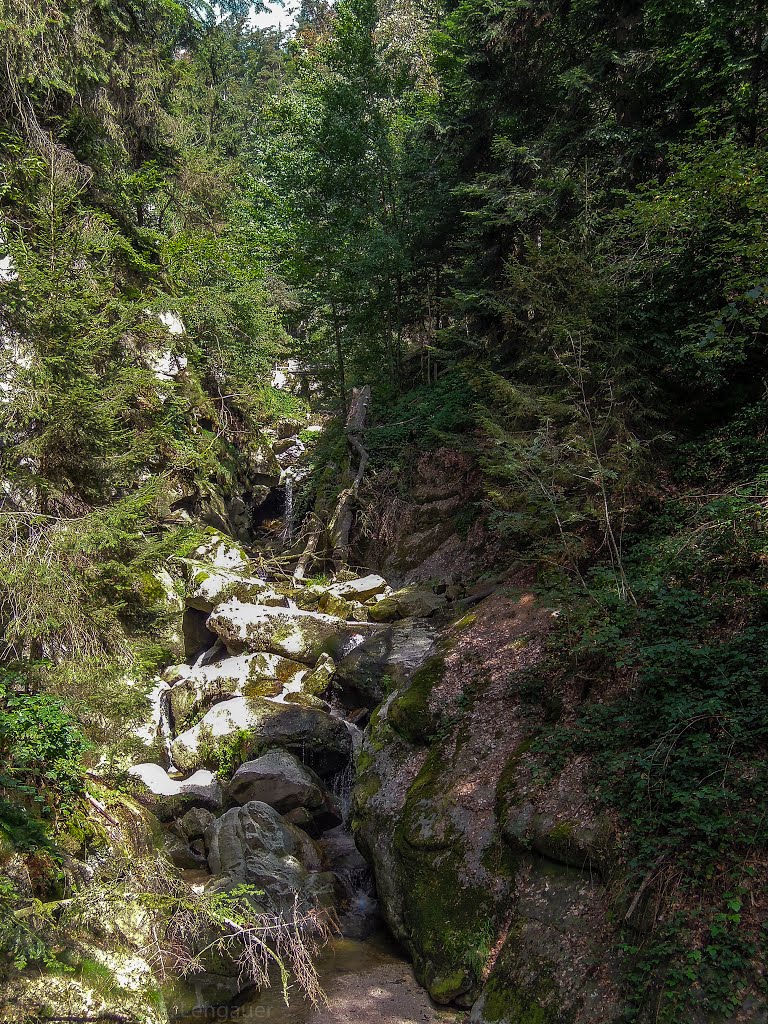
[384, 661]
[170, 798]
[472, 856]
[248, 725]
[302, 636]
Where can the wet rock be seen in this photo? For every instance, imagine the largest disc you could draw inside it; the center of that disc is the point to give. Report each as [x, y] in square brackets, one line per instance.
[383, 662]
[319, 740]
[171, 798]
[201, 687]
[303, 636]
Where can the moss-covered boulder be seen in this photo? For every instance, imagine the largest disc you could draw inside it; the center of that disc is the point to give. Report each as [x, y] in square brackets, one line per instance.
[464, 867]
[197, 689]
[239, 729]
[302, 636]
[208, 588]
[411, 602]
[384, 661]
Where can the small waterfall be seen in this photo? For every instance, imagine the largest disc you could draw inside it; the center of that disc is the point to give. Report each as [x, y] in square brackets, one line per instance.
[288, 523]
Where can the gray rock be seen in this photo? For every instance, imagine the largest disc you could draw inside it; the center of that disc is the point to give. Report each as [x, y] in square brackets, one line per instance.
[279, 779]
[194, 823]
[407, 603]
[386, 660]
[253, 845]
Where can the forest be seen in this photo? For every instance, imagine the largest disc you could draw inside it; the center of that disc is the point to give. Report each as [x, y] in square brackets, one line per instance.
[401, 378]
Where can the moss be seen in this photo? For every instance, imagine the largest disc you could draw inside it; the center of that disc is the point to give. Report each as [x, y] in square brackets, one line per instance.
[409, 714]
[442, 909]
[466, 622]
[507, 784]
[509, 1004]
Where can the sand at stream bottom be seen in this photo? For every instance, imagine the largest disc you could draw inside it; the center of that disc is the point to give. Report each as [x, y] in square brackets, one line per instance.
[366, 983]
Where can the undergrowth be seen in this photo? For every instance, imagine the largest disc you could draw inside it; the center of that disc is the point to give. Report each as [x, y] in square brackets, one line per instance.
[674, 725]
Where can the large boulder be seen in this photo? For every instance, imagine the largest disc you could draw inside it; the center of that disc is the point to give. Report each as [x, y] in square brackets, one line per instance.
[238, 729]
[303, 636]
[279, 779]
[407, 603]
[484, 866]
[253, 845]
[199, 688]
[384, 661]
[360, 589]
[209, 588]
[171, 798]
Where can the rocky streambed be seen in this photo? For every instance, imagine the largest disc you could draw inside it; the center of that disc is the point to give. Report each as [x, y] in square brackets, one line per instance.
[255, 740]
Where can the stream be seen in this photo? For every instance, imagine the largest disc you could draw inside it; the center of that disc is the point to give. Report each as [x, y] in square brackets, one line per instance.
[261, 638]
[364, 982]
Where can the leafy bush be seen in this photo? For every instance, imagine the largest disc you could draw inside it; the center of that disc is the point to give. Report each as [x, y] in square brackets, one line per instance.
[41, 764]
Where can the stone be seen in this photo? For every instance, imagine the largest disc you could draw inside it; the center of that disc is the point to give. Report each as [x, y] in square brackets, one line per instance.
[253, 845]
[303, 636]
[382, 662]
[307, 700]
[279, 779]
[222, 553]
[181, 854]
[319, 740]
[194, 823]
[207, 589]
[171, 798]
[361, 589]
[403, 604]
[201, 687]
[319, 679]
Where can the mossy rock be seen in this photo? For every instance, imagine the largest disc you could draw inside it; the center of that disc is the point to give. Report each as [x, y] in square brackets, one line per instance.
[451, 922]
[409, 713]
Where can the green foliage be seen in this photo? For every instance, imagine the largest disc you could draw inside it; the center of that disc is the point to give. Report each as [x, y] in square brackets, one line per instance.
[424, 417]
[680, 753]
[41, 764]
